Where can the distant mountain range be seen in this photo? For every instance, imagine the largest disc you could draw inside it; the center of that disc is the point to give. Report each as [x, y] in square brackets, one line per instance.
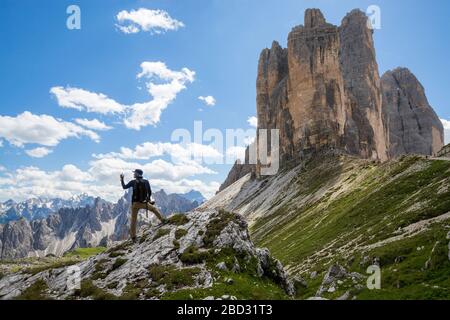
[39, 227]
[40, 208]
[193, 196]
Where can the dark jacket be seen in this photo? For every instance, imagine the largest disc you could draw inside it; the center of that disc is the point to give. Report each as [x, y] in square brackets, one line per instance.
[132, 184]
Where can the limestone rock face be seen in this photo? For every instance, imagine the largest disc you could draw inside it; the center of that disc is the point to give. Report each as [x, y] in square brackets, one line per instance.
[329, 95]
[411, 123]
[324, 93]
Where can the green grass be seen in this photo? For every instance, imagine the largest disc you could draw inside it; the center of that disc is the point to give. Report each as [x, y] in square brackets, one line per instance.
[172, 277]
[378, 199]
[85, 253]
[243, 286]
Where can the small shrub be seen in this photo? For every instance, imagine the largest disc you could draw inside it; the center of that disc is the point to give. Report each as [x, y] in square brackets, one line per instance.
[88, 289]
[193, 256]
[118, 263]
[161, 233]
[35, 292]
[178, 219]
[176, 244]
[180, 233]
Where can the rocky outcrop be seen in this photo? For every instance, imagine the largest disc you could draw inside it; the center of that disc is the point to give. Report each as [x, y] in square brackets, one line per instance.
[238, 171]
[411, 123]
[163, 262]
[324, 92]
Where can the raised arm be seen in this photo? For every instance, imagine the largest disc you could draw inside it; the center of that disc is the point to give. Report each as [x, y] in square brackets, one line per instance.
[126, 186]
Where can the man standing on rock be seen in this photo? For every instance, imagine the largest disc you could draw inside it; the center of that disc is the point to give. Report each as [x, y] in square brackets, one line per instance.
[140, 199]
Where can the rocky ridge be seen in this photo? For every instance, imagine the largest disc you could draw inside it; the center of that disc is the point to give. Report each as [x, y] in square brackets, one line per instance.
[194, 255]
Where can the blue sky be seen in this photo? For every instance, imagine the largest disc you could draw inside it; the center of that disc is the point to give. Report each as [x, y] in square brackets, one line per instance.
[219, 40]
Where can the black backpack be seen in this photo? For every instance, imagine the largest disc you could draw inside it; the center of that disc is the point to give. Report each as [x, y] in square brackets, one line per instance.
[140, 192]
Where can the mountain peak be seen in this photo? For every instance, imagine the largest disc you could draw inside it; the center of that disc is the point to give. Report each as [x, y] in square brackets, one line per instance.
[314, 18]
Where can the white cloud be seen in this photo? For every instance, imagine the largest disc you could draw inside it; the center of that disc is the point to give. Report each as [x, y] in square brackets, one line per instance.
[149, 113]
[84, 100]
[162, 84]
[209, 100]
[93, 124]
[40, 129]
[147, 20]
[446, 124]
[1, 143]
[178, 152]
[253, 121]
[2, 168]
[38, 152]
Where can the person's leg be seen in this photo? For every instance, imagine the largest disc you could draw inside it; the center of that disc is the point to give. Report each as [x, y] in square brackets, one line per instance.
[155, 210]
[134, 213]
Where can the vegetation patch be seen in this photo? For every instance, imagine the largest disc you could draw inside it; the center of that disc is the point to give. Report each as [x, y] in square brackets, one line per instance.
[180, 233]
[172, 277]
[89, 290]
[53, 265]
[161, 233]
[216, 225]
[192, 255]
[84, 253]
[118, 263]
[242, 286]
[36, 291]
[178, 219]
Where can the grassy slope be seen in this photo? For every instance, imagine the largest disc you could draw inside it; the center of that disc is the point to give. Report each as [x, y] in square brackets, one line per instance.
[360, 204]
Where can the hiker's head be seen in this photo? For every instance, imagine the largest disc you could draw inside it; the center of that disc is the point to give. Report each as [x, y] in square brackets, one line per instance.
[138, 173]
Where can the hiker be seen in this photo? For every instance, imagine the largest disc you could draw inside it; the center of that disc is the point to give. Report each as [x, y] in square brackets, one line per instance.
[140, 199]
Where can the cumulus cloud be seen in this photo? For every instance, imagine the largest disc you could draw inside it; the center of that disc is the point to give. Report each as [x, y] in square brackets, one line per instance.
[93, 124]
[162, 84]
[253, 121]
[179, 153]
[209, 100]
[146, 20]
[85, 100]
[44, 130]
[149, 113]
[446, 124]
[39, 152]
[101, 178]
